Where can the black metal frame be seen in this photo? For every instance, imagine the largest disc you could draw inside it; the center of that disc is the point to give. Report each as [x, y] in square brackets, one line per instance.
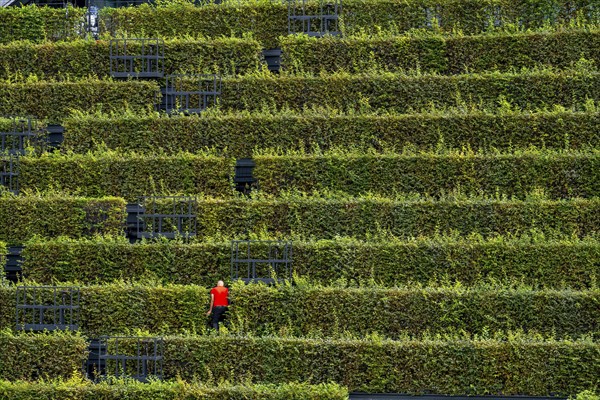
[137, 58]
[147, 359]
[151, 222]
[324, 22]
[179, 97]
[40, 305]
[23, 132]
[9, 172]
[279, 256]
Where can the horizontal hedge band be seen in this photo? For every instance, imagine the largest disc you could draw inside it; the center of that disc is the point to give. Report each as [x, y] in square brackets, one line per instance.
[402, 93]
[170, 391]
[268, 21]
[309, 217]
[25, 216]
[331, 312]
[129, 176]
[360, 218]
[240, 135]
[451, 367]
[445, 55]
[85, 58]
[545, 263]
[55, 100]
[559, 175]
[37, 356]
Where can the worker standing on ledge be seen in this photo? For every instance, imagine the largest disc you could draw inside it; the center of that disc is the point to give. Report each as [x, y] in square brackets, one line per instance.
[219, 301]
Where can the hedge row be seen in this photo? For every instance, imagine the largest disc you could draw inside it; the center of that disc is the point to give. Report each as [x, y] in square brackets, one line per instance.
[3, 253]
[55, 100]
[460, 366]
[327, 218]
[238, 135]
[35, 356]
[128, 175]
[447, 55]
[84, 58]
[560, 175]
[268, 20]
[403, 93]
[300, 311]
[23, 217]
[39, 23]
[541, 263]
[168, 391]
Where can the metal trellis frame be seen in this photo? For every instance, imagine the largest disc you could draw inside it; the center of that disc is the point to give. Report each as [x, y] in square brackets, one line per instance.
[51, 308]
[9, 172]
[191, 93]
[137, 58]
[166, 216]
[258, 260]
[303, 18]
[133, 357]
[22, 133]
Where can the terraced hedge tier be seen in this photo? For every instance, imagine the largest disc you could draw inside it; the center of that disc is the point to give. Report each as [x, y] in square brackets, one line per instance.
[441, 54]
[40, 355]
[169, 391]
[128, 175]
[560, 175]
[404, 93]
[268, 20]
[519, 365]
[239, 135]
[327, 218]
[54, 100]
[23, 217]
[39, 23]
[392, 313]
[539, 263]
[84, 58]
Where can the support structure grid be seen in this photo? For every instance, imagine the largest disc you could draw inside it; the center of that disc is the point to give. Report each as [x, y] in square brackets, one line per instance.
[50, 308]
[261, 260]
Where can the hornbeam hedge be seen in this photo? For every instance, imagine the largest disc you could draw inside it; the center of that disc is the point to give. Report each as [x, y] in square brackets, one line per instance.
[240, 134]
[405, 93]
[560, 175]
[36, 356]
[298, 311]
[541, 262]
[54, 100]
[84, 58]
[446, 55]
[39, 23]
[268, 20]
[134, 390]
[128, 175]
[22, 217]
[327, 218]
[516, 365]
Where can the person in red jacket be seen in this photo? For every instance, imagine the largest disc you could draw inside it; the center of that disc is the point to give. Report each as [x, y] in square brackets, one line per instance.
[219, 301]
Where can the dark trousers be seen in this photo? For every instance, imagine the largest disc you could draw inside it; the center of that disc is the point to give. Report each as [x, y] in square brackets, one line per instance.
[217, 315]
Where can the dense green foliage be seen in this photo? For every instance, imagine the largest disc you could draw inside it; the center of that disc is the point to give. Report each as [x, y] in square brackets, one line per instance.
[84, 58]
[35, 356]
[301, 311]
[133, 390]
[39, 23]
[55, 100]
[128, 175]
[23, 217]
[518, 365]
[446, 55]
[268, 20]
[541, 262]
[403, 93]
[239, 135]
[327, 218]
[560, 175]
